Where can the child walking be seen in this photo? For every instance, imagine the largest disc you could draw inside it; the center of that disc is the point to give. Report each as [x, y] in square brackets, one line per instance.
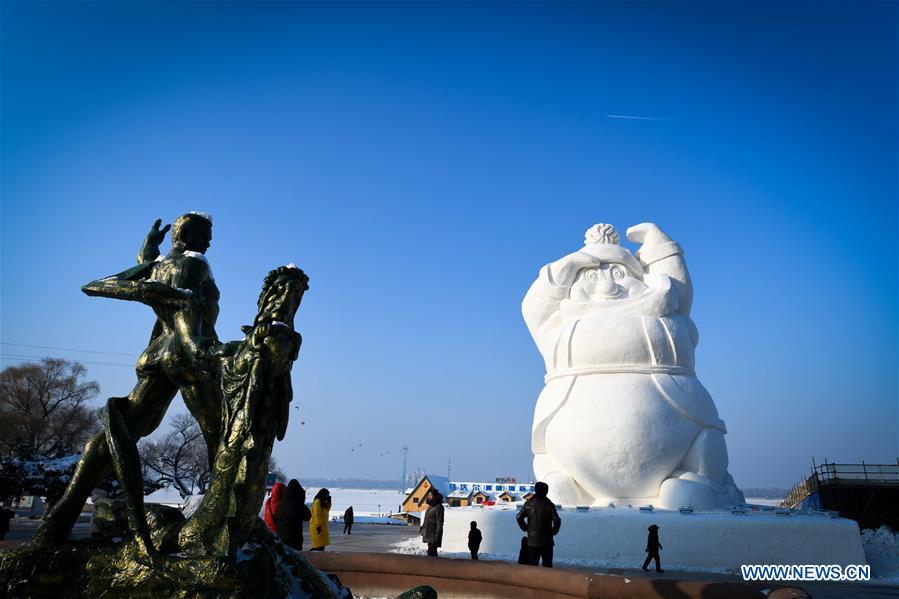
[652, 549]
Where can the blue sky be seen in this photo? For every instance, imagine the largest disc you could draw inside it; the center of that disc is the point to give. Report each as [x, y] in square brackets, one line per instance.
[421, 161]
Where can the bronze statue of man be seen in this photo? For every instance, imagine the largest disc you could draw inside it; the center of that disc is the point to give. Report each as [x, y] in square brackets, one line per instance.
[182, 292]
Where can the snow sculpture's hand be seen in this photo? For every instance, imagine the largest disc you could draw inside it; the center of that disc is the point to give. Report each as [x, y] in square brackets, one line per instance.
[647, 234]
[565, 270]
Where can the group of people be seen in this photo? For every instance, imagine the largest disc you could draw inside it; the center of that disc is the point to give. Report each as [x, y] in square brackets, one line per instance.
[285, 511]
[538, 518]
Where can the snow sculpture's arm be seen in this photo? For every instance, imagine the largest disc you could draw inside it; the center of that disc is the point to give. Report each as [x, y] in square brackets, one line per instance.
[541, 303]
[659, 254]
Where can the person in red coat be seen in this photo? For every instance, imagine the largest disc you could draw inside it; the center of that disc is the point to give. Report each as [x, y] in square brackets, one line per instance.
[271, 505]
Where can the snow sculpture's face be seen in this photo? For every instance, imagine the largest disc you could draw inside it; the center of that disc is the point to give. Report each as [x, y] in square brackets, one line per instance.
[606, 282]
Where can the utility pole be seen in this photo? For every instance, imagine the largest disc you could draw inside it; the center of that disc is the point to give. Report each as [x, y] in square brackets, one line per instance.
[403, 480]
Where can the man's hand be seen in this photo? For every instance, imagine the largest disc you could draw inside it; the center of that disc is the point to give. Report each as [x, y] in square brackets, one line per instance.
[149, 251]
[156, 235]
[318, 530]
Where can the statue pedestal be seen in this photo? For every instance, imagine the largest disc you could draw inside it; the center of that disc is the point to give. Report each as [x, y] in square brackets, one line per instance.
[701, 541]
[93, 568]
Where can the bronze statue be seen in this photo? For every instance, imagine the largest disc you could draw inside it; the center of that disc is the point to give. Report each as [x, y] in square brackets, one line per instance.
[239, 392]
[183, 294]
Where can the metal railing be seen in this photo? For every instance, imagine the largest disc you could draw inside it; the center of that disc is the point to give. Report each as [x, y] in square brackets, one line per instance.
[828, 473]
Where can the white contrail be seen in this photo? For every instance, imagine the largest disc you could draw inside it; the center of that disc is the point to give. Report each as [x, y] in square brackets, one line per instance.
[636, 118]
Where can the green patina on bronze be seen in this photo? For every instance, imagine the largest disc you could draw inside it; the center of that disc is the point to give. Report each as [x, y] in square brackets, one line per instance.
[238, 391]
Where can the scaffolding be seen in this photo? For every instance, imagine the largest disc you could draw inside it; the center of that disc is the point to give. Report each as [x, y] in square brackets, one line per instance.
[867, 493]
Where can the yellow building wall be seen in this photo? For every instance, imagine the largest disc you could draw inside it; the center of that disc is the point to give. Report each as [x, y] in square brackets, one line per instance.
[420, 492]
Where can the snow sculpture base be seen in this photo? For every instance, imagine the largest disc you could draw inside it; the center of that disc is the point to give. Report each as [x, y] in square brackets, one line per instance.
[701, 541]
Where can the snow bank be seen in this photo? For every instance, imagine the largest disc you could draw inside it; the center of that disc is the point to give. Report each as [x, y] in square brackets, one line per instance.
[697, 542]
[166, 496]
[882, 552]
[369, 519]
[191, 504]
[365, 502]
[766, 501]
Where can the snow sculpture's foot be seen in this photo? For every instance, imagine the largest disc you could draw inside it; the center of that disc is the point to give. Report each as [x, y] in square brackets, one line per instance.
[736, 495]
[563, 489]
[702, 482]
[696, 491]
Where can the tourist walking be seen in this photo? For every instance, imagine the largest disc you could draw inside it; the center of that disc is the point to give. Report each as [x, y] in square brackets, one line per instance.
[271, 506]
[348, 521]
[318, 527]
[474, 540]
[541, 521]
[432, 522]
[652, 549]
[290, 514]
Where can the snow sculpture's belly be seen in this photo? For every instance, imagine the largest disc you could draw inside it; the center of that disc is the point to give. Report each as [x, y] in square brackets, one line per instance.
[618, 434]
[614, 342]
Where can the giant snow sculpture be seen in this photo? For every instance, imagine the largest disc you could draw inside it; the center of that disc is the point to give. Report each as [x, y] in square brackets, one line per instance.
[622, 417]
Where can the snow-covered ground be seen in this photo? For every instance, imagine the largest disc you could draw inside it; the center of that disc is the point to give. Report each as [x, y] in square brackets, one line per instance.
[167, 496]
[763, 501]
[698, 542]
[367, 504]
[882, 552]
[881, 547]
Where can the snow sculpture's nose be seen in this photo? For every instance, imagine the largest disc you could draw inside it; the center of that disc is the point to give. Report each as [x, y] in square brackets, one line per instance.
[605, 285]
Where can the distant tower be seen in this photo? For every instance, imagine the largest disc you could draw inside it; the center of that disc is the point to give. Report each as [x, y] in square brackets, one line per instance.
[449, 468]
[403, 480]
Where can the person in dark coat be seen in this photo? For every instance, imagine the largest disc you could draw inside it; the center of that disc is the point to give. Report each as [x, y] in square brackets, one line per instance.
[541, 521]
[290, 514]
[5, 516]
[348, 521]
[652, 549]
[474, 540]
[432, 522]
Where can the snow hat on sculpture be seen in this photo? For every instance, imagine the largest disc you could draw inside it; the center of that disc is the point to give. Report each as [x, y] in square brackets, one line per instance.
[602, 241]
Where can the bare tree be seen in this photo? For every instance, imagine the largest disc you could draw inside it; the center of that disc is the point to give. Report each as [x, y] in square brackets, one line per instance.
[179, 459]
[43, 408]
[275, 469]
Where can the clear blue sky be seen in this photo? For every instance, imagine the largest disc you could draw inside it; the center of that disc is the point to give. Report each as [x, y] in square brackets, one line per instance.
[422, 161]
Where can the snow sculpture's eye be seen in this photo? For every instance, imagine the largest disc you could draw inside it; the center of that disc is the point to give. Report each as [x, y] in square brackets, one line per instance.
[591, 276]
[617, 272]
